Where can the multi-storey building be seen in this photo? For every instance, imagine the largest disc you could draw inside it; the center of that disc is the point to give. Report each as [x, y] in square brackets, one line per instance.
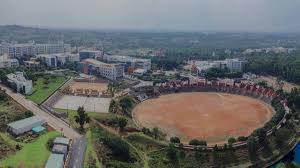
[6, 62]
[85, 54]
[136, 63]
[234, 65]
[31, 49]
[58, 59]
[109, 71]
[20, 82]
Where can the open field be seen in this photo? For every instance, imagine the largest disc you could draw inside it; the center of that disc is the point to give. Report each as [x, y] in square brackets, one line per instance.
[213, 117]
[90, 104]
[41, 92]
[33, 154]
[89, 85]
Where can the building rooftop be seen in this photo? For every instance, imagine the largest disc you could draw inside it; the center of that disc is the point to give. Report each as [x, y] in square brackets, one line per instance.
[97, 63]
[61, 140]
[38, 129]
[55, 160]
[25, 122]
[60, 149]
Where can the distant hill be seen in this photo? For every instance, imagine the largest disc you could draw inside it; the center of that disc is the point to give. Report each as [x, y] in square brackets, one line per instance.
[139, 39]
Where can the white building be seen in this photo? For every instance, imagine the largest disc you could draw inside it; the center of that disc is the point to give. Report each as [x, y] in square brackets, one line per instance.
[234, 65]
[31, 49]
[58, 59]
[109, 71]
[21, 82]
[6, 62]
[137, 63]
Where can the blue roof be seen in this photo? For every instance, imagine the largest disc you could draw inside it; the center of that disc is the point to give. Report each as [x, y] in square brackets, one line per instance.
[38, 129]
[55, 161]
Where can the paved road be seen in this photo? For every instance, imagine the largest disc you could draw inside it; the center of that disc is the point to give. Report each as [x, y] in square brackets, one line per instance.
[53, 121]
[78, 153]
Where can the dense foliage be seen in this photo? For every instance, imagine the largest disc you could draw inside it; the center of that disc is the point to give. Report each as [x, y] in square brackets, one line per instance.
[284, 66]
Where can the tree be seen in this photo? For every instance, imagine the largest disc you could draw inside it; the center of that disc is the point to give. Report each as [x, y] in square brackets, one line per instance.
[81, 118]
[155, 132]
[111, 88]
[261, 134]
[126, 103]
[252, 148]
[197, 142]
[231, 140]
[122, 122]
[281, 136]
[114, 106]
[175, 140]
[172, 152]
[118, 147]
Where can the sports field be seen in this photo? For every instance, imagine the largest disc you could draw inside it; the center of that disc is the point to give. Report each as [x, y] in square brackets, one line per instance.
[90, 104]
[213, 117]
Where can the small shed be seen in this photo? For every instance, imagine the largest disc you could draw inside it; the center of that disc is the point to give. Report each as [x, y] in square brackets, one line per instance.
[38, 130]
[25, 125]
[55, 160]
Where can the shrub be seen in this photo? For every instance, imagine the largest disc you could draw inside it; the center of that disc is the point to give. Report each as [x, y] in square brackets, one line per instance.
[119, 148]
[197, 142]
[174, 140]
[242, 138]
[231, 140]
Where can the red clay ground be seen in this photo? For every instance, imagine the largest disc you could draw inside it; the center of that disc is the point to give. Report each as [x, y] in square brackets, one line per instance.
[87, 85]
[213, 117]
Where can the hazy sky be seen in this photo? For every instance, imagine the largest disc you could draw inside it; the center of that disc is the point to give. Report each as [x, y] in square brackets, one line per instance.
[195, 15]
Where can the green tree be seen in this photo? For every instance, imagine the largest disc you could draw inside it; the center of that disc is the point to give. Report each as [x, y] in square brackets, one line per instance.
[281, 136]
[172, 152]
[114, 106]
[252, 148]
[175, 140]
[126, 103]
[155, 132]
[122, 122]
[81, 118]
[111, 88]
[231, 140]
[197, 142]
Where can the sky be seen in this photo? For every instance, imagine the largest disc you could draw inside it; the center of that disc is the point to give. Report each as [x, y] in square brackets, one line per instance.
[184, 15]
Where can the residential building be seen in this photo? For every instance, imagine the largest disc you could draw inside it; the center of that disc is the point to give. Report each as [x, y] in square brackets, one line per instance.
[21, 126]
[95, 67]
[6, 62]
[136, 63]
[20, 82]
[85, 54]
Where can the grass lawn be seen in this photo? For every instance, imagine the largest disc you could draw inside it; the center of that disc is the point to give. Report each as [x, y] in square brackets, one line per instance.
[40, 93]
[33, 154]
